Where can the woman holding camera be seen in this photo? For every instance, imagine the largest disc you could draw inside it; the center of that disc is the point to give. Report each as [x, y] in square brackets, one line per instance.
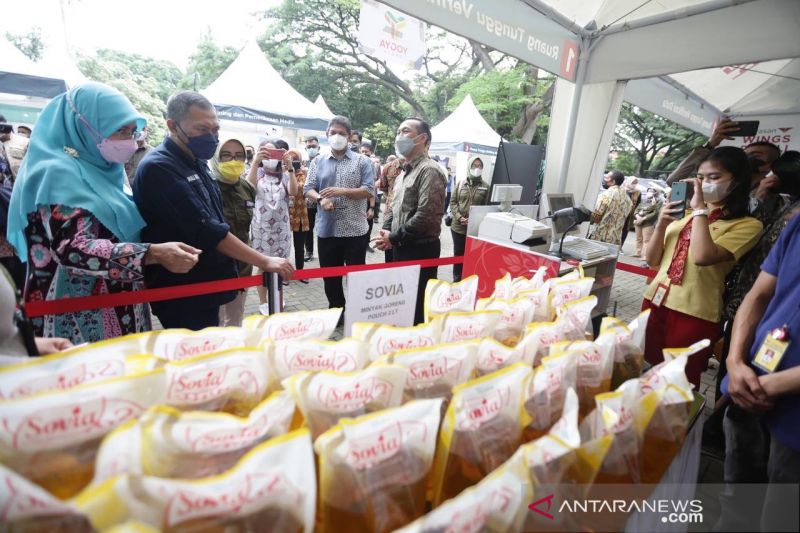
[695, 254]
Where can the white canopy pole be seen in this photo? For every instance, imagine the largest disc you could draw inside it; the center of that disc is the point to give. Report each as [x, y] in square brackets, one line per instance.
[580, 78]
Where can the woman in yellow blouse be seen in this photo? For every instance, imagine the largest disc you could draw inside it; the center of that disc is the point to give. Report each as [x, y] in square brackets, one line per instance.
[695, 254]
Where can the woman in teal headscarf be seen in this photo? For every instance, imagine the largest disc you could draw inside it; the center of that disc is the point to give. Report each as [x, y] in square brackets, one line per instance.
[72, 218]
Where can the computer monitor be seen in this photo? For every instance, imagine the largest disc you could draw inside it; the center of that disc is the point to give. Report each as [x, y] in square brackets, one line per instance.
[555, 202]
[506, 195]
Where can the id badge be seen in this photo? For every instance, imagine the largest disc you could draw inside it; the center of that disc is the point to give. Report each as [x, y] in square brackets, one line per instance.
[660, 295]
[771, 352]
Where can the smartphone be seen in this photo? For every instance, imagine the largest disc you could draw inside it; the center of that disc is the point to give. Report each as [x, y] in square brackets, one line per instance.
[679, 193]
[296, 165]
[747, 128]
[276, 153]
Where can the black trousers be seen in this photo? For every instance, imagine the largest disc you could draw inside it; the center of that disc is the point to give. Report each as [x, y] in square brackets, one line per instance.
[312, 217]
[459, 244]
[189, 317]
[340, 251]
[300, 238]
[410, 252]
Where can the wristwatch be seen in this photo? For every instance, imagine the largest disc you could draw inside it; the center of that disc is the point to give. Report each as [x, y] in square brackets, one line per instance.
[707, 146]
[700, 213]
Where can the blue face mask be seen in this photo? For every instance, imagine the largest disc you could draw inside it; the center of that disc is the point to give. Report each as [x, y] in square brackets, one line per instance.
[202, 146]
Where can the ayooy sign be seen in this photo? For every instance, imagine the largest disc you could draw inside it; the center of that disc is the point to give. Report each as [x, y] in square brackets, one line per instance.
[387, 296]
[391, 35]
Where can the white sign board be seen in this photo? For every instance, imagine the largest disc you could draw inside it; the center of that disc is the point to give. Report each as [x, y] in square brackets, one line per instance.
[387, 296]
[391, 35]
[781, 130]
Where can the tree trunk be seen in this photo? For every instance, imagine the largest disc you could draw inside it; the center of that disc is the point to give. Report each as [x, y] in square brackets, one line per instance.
[483, 55]
[525, 128]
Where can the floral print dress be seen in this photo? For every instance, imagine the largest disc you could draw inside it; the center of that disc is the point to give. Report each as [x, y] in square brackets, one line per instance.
[71, 254]
[270, 232]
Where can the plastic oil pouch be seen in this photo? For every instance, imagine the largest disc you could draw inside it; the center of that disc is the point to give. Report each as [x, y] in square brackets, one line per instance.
[294, 357]
[52, 438]
[546, 394]
[383, 339]
[493, 356]
[549, 460]
[274, 484]
[516, 315]
[458, 327]
[27, 507]
[564, 291]
[174, 344]
[442, 297]
[298, 326]
[70, 369]
[374, 469]
[628, 346]
[169, 443]
[538, 339]
[326, 397]
[673, 353]
[502, 287]
[665, 432]
[575, 316]
[232, 381]
[498, 504]
[434, 371]
[595, 368]
[482, 429]
[536, 281]
[542, 310]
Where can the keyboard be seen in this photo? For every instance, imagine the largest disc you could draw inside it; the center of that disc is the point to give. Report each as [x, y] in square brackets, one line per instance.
[584, 249]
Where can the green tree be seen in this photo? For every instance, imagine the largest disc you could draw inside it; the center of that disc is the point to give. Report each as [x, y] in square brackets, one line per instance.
[382, 137]
[146, 82]
[30, 43]
[503, 96]
[655, 143]
[207, 63]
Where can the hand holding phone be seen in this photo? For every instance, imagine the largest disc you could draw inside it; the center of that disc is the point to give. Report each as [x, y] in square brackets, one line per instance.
[677, 199]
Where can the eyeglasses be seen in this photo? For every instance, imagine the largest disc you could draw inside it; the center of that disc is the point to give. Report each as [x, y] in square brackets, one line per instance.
[127, 133]
[226, 156]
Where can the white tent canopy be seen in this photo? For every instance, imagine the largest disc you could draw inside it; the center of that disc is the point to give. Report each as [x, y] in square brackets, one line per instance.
[597, 46]
[19, 75]
[464, 130]
[322, 108]
[251, 90]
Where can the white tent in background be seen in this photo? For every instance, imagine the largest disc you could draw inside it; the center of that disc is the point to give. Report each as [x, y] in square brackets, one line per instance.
[58, 64]
[322, 107]
[464, 133]
[464, 130]
[252, 99]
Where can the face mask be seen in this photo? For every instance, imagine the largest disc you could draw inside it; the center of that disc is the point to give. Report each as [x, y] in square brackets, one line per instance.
[313, 152]
[201, 146]
[117, 151]
[354, 147]
[476, 172]
[271, 165]
[716, 192]
[337, 142]
[605, 184]
[403, 145]
[231, 170]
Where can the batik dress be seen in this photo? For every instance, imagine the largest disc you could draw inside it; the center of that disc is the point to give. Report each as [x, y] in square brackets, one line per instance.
[71, 254]
[270, 232]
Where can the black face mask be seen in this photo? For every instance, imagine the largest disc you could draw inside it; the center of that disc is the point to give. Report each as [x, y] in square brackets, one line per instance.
[296, 165]
[606, 184]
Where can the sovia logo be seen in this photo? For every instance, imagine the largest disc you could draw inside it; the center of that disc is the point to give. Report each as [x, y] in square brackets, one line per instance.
[537, 506]
[396, 23]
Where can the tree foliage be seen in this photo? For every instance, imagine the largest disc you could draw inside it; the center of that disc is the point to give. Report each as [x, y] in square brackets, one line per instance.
[656, 144]
[30, 44]
[382, 137]
[207, 63]
[146, 82]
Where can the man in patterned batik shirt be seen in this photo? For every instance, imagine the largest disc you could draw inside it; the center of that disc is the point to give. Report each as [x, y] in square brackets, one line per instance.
[412, 228]
[611, 211]
[342, 183]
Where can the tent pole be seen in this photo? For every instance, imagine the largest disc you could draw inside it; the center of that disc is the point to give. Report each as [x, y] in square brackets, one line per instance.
[557, 17]
[580, 78]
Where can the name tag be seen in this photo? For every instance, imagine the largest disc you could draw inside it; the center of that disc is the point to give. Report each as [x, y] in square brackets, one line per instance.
[193, 177]
[249, 203]
[772, 350]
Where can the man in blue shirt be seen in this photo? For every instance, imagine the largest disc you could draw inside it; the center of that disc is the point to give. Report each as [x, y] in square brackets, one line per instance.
[771, 308]
[180, 201]
[342, 182]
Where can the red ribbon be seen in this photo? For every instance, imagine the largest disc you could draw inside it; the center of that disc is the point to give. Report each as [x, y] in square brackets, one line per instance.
[84, 303]
[633, 269]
